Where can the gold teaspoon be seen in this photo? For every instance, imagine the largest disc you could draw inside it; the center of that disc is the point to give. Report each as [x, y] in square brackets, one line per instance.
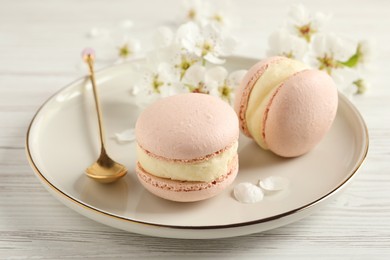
[104, 170]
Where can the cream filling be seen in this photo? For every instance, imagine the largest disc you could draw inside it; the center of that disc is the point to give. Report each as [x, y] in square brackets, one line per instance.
[263, 91]
[205, 171]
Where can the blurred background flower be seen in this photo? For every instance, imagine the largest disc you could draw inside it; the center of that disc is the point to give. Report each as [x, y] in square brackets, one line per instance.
[114, 43]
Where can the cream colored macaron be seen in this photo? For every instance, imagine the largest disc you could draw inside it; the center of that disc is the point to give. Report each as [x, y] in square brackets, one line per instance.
[285, 106]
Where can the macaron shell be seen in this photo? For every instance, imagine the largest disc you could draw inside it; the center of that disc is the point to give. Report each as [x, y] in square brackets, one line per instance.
[187, 126]
[300, 113]
[244, 90]
[275, 74]
[183, 191]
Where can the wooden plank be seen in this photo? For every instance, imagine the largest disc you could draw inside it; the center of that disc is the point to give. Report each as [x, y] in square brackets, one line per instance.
[40, 42]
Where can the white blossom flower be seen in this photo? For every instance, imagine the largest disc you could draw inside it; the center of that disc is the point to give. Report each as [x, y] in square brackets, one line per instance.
[122, 41]
[222, 13]
[115, 43]
[127, 48]
[190, 45]
[214, 81]
[283, 43]
[208, 43]
[221, 84]
[194, 79]
[169, 49]
[304, 24]
[155, 76]
[359, 61]
[217, 12]
[156, 81]
[329, 51]
[196, 11]
[178, 58]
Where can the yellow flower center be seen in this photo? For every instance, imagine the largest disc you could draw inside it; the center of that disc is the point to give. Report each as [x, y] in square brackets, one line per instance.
[328, 63]
[156, 84]
[206, 48]
[225, 92]
[191, 14]
[124, 51]
[217, 18]
[289, 55]
[306, 31]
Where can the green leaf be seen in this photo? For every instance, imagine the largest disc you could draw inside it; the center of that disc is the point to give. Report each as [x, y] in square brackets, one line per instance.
[352, 61]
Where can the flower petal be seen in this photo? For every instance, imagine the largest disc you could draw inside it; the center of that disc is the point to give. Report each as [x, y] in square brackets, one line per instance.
[274, 183]
[299, 15]
[366, 50]
[196, 10]
[283, 43]
[344, 79]
[213, 90]
[217, 74]
[134, 45]
[189, 35]
[227, 45]
[167, 73]
[163, 37]
[246, 192]
[331, 45]
[341, 48]
[235, 78]
[144, 99]
[194, 75]
[173, 89]
[126, 136]
[320, 20]
[213, 59]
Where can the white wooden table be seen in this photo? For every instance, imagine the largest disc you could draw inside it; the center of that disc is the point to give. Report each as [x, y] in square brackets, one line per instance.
[40, 42]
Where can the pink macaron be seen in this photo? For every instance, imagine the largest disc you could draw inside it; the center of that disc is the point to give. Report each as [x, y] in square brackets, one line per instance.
[285, 106]
[187, 147]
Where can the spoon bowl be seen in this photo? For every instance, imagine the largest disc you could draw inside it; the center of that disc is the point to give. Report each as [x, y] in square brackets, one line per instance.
[106, 175]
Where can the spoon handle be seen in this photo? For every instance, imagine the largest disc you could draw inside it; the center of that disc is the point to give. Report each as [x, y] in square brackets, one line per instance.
[89, 57]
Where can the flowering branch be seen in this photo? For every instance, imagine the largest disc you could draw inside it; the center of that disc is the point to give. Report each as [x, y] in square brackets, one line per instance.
[190, 58]
[304, 38]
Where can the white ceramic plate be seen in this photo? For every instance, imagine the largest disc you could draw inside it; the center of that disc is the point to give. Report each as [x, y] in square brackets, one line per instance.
[63, 140]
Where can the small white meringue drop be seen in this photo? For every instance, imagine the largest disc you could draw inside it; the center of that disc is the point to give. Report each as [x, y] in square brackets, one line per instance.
[246, 192]
[274, 183]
